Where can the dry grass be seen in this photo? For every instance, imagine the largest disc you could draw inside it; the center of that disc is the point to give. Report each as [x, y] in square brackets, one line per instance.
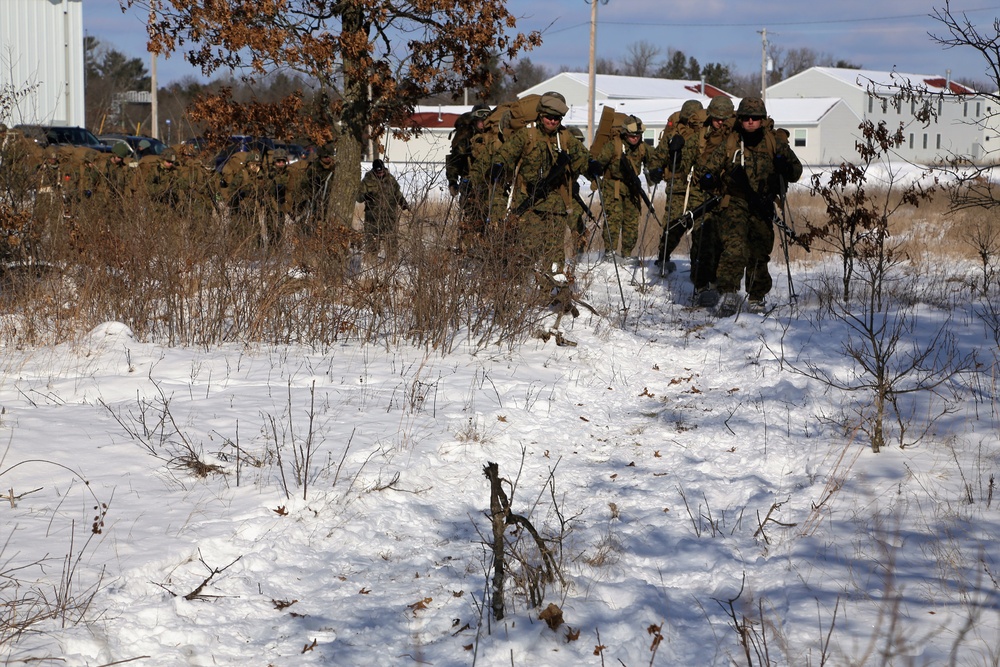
[191, 275]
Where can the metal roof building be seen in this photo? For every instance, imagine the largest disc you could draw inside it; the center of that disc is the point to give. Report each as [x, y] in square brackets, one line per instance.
[41, 62]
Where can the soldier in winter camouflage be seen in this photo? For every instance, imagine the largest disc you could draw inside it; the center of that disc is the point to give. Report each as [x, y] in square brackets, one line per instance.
[316, 190]
[617, 168]
[706, 246]
[748, 170]
[670, 161]
[383, 199]
[545, 160]
[472, 194]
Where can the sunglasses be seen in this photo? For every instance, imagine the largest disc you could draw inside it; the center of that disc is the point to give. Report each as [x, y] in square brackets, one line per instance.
[756, 118]
[549, 116]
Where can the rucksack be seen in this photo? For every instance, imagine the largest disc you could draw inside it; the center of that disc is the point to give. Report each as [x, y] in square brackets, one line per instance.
[511, 116]
[608, 129]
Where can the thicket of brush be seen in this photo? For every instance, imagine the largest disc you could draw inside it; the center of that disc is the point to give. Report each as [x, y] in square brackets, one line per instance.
[196, 274]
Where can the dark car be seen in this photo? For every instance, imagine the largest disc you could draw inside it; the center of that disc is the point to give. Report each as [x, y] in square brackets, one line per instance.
[61, 135]
[140, 146]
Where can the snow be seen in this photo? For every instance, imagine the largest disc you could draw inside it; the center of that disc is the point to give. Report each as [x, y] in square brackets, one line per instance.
[680, 463]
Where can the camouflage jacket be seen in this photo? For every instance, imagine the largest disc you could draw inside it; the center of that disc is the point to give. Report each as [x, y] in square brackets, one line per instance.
[532, 154]
[382, 197]
[616, 183]
[751, 167]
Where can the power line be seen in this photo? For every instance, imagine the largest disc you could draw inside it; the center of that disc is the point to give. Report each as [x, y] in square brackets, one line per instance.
[716, 24]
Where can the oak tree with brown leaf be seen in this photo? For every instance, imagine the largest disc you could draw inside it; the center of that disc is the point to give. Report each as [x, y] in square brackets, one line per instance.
[376, 58]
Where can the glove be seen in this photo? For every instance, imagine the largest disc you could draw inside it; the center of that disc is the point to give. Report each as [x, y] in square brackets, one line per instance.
[708, 182]
[453, 189]
[594, 170]
[781, 164]
[654, 176]
[676, 143]
[496, 172]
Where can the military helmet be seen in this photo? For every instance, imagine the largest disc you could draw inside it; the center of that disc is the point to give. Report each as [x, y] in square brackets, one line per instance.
[168, 155]
[578, 133]
[121, 150]
[689, 109]
[751, 106]
[552, 104]
[278, 154]
[632, 125]
[481, 111]
[721, 108]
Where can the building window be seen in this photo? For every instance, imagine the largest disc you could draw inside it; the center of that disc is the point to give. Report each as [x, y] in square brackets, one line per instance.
[965, 110]
[911, 140]
[800, 138]
[913, 107]
[938, 142]
[871, 104]
[885, 106]
[939, 107]
[979, 106]
[925, 141]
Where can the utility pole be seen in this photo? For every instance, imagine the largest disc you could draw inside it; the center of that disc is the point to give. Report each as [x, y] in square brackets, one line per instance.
[592, 72]
[763, 64]
[154, 121]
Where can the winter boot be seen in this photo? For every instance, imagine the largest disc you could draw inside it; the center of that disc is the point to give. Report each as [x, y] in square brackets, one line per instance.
[729, 305]
[707, 296]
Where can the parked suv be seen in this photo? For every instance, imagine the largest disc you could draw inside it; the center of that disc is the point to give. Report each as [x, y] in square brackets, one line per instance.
[140, 146]
[57, 135]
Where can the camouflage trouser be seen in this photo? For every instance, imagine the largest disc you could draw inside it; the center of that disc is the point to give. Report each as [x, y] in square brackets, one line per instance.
[622, 215]
[747, 240]
[542, 236]
[672, 235]
[706, 247]
[381, 228]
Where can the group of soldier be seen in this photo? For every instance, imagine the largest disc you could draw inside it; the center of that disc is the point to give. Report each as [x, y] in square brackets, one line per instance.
[516, 172]
[259, 194]
[724, 170]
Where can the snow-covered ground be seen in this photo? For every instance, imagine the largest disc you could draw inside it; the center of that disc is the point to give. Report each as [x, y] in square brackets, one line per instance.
[691, 486]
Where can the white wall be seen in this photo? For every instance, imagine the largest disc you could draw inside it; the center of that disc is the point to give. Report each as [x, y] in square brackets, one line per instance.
[41, 50]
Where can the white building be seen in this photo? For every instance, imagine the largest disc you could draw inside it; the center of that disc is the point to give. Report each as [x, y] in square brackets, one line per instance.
[821, 129]
[41, 61]
[436, 124]
[651, 99]
[958, 129]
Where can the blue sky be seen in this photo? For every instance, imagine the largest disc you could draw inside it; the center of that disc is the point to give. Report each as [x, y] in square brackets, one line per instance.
[877, 35]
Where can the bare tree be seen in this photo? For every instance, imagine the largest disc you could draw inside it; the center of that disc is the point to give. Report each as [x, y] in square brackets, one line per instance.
[640, 59]
[606, 66]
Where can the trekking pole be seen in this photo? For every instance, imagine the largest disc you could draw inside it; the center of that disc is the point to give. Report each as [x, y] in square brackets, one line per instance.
[614, 260]
[669, 216]
[792, 296]
[645, 223]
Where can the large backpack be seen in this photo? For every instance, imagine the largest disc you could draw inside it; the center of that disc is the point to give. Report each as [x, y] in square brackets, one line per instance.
[608, 129]
[511, 116]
